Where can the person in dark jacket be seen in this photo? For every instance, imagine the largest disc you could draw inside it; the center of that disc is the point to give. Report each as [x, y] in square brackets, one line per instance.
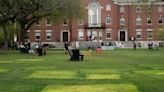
[65, 47]
[134, 46]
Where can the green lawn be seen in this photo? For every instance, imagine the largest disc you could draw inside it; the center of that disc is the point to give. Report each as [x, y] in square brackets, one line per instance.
[113, 71]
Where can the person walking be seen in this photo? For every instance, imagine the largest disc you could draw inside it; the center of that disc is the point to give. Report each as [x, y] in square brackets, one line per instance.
[134, 46]
[40, 49]
[65, 48]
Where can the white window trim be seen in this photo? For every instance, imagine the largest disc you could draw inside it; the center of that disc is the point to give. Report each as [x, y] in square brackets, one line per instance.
[138, 30]
[138, 18]
[162, 20]
[106, 20]
[28, 30]
[138, 7]
[81, 21]
[99, 14]
[160, 7]
[38, 31]
[47, 23]
[122, 10]
[109, 31]
[149, 30]
[48, 31]
[65, 24]
[151, 21]
[80, 30]
[108, 7]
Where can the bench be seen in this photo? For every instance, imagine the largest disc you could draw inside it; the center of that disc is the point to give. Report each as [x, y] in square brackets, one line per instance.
[75, 55]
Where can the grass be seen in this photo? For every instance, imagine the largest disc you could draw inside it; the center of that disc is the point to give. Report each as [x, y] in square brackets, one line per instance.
[122, 70]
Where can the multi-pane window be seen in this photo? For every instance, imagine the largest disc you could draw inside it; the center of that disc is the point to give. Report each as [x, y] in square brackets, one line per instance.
[48, 21]
[122, 20]
[94, 14]
[80, 22]
[65, 22]
[149, 7]
[108, 34]
[48, 34]
[108, 20]
[138, 20]
[149, 20]
[160, 8]
[108, 7]
[122, 9]
[80, 34]
[160, 20]
[138, 34]
[138, 9]
[37, 35]
[149, 34]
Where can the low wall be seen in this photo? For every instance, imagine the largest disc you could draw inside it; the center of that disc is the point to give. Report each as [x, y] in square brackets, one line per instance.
[86, 44]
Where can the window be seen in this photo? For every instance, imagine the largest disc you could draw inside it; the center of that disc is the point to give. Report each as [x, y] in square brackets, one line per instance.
[149, 34]
[108, 7]
[150, 7]
[138, 34]
[160, 8]
[37, 35]
[81, 34]
[122, 9]
[80, 22]
[48, 34]
[92, 35]
[138, 20]
[65, 22]
[122, 20]
[108, 20]
[48, 22]
[108, 34]
[149, 20]
[160, 20]
[138, 9]
[94, 12]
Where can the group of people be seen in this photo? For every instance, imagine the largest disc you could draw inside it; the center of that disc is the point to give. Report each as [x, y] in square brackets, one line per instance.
[24, 47]
[151, 46]
[39, 48]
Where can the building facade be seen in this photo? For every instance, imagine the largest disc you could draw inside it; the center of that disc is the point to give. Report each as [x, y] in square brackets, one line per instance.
[104, 21]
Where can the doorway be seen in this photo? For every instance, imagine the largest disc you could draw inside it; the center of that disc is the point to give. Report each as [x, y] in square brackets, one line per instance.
[65, 36]
[122, 36]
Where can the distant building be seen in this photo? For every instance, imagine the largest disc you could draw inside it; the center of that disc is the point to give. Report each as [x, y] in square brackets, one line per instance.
[104, 20]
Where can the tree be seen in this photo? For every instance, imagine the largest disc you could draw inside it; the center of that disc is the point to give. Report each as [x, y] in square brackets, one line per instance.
[27, 12]
[70, 10]
[7, 16]
[160, 33]
[31, 11]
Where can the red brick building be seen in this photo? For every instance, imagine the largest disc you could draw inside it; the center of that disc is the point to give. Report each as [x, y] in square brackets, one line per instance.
[105, 20]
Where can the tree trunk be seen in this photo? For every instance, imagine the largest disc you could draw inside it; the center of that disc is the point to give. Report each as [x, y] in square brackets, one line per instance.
[22, 33]
[5, 37]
